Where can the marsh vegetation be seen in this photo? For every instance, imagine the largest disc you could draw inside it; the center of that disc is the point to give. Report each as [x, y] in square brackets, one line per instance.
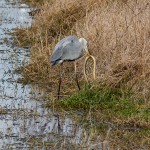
[116, 105]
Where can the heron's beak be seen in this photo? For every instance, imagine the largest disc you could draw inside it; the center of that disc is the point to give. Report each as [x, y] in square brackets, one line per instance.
[88, 55]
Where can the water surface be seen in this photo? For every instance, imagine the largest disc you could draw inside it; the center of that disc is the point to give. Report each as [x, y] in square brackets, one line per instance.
[24, 123]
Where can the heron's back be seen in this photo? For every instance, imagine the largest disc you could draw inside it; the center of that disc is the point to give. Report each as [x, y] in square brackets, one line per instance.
[68, 48]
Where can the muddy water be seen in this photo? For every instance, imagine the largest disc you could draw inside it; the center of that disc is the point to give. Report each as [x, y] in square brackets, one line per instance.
[24, 123]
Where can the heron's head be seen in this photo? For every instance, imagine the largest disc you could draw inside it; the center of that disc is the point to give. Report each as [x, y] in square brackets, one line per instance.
[84, 44]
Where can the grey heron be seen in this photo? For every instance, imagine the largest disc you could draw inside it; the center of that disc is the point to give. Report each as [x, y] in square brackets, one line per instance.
[71, 48]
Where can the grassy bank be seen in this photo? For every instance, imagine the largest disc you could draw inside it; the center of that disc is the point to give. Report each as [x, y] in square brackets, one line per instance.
[113, 105]
[118, 33]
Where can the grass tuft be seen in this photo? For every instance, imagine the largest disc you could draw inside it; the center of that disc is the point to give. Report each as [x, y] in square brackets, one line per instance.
[113, 104]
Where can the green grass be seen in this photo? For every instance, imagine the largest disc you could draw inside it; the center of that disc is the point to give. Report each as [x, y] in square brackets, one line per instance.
[110, 108]
[108, 103]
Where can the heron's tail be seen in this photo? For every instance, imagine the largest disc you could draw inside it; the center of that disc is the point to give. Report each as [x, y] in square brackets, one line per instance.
[59, 61]
[53, 63]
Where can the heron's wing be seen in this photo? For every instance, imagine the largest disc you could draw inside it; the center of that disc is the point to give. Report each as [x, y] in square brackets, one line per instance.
[68, 48]
[56, 55]
[72, 49]
[58, 50]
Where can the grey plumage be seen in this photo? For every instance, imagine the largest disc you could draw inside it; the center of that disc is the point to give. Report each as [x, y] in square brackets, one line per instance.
[69, 48]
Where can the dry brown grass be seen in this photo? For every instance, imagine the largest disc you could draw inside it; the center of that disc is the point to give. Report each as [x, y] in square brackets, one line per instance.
[118, 33]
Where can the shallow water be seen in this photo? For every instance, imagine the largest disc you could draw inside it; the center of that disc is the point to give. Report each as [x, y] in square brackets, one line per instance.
[24, 123]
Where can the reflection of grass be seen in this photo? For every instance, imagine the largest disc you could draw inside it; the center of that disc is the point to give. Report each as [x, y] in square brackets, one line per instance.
[3, 111]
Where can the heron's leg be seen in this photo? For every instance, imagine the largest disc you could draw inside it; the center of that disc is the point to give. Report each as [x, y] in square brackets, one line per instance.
[60, 80]
[76, 77]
